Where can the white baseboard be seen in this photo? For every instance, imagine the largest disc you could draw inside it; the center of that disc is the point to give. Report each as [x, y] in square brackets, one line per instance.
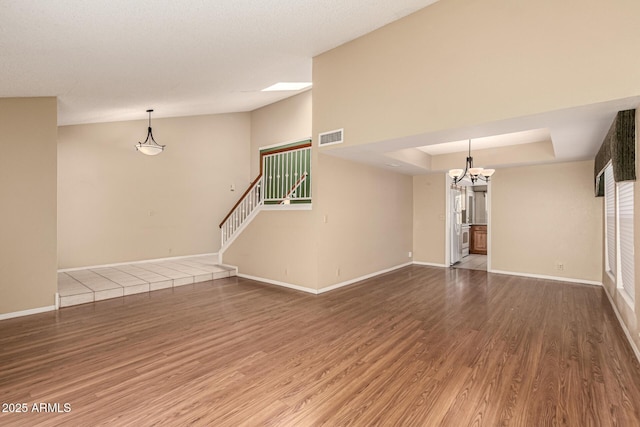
[214, 254]
[27, 312]
[358, 279]
[542, 276]
[325, 289]
[278, 283]
[627, 333]
[428, 264]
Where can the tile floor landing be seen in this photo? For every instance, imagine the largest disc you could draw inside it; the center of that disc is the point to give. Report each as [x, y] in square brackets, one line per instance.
[96, 284]
[472, 262]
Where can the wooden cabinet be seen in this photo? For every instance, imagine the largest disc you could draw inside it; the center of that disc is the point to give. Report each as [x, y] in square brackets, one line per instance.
[478, 243]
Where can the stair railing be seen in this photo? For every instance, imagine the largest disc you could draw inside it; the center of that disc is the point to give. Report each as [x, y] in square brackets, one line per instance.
[284, 173]
[248, 204]
[292, 190]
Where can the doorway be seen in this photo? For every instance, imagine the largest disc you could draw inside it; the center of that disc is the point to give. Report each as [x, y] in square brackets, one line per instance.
[468, 225]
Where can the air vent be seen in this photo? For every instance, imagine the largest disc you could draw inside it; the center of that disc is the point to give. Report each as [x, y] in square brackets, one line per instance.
[331, 137]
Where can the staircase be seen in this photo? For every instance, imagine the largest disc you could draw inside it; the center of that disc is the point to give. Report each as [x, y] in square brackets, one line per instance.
[284, 180]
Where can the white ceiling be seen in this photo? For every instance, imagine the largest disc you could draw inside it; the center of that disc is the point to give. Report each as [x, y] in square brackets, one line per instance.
[111, 60]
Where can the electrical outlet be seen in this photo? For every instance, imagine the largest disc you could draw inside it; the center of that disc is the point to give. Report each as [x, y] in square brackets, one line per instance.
[560, 266]
[338, 271]
[410, 254]
[325, 218]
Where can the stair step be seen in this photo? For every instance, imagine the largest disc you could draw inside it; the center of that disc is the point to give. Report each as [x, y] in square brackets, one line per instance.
[100, 283]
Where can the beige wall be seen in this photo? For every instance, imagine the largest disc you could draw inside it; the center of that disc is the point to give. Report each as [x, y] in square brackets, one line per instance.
[117, 205]
[28, 195]
[545, 215]
[368, 211]
[458, 63]
[285, 121]
[540, 216]
[368, 228]
[369, 216]
[278, 246]
[429, 210]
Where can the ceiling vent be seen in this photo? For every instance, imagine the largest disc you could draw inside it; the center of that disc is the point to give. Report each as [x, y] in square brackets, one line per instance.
[331, 137]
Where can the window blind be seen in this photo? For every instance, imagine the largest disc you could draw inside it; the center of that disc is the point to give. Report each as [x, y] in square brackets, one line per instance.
[610, 217]
[625, 230]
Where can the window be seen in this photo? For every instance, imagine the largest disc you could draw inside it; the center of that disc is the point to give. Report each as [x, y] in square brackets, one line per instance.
[626, 276]
[610, 220]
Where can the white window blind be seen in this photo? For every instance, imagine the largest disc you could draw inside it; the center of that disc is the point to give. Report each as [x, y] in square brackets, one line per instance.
[610, 218]
[625, 230]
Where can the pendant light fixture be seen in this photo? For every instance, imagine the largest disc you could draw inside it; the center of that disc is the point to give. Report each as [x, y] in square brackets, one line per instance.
[149, 147]
[473, 173]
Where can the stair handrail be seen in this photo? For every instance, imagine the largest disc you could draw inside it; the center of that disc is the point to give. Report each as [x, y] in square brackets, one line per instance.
[295, 186]
[247, 207]
[248, 190]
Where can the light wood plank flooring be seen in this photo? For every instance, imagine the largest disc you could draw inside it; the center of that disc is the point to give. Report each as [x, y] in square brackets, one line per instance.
[420, 346]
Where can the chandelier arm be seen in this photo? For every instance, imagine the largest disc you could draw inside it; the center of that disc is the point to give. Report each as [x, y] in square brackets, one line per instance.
[468, 165]
[150, 135]
[460, 178]
[467, 170]
[146, 141]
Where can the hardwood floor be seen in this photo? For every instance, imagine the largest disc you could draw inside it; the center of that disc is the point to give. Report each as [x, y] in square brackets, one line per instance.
[420, 346]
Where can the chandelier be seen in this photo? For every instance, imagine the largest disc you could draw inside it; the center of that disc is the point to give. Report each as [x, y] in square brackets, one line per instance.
[149, 147]
[473, 173]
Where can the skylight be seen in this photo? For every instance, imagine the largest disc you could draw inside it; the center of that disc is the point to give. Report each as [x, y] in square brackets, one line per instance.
[287, 86]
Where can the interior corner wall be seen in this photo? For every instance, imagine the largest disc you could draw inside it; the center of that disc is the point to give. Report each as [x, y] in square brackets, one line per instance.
[279, 246]
[118, 205]
[284, 121]
[364, 219]
[459, 63]
[429, 226]
[28, 193]
[546, 215]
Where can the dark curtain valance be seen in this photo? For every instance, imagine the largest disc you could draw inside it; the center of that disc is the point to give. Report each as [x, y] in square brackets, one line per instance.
[619, 146]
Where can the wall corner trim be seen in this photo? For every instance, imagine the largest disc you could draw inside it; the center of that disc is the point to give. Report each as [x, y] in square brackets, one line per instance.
[327, 288]
[361, 278]
[27, 312]
[278, 283]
